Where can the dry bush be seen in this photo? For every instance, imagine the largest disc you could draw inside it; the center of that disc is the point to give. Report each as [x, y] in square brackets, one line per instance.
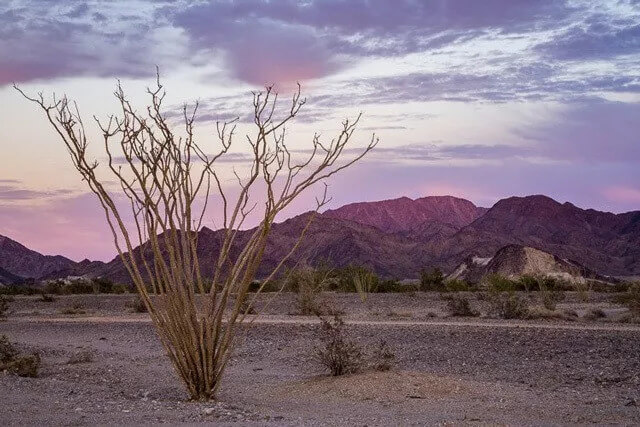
[459, 306]
[338, 353]
[7, 351]
[309, 284]
[550, 298]
[138, 305]
[167, 179]
[595, 314]
[44, 297]
[631, 299]
[382, 358]
[85, 356]
[76, 308]
[4, 307]
[508, 305]
[14, 363]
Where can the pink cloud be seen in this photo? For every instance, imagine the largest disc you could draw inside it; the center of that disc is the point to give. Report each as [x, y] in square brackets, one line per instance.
[622, 194]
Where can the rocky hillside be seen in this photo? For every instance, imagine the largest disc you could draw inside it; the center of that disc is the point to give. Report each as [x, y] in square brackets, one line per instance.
[7, 278]
[21, 261]
[514, 261]
[397, 238]
[603, 241]
[405, 214]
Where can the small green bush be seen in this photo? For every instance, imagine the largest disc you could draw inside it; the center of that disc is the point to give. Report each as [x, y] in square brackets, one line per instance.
[120, 289]
[432, 280]
[550, 298]
[498, 283]
[456, 286]
[508, 305]
[102, 285]
[78, 287]
[389, 286]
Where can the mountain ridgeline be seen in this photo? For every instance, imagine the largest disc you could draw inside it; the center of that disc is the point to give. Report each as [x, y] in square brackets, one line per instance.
[397, 238]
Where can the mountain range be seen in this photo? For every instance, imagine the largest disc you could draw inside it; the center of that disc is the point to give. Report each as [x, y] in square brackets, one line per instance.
[399, 237]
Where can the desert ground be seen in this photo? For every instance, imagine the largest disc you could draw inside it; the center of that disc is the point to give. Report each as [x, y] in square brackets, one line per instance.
[448, 370]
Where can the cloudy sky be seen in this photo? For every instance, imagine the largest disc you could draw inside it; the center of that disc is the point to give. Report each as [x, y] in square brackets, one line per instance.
[477, 99]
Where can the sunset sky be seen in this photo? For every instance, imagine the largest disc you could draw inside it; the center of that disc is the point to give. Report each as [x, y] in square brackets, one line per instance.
[476, 99]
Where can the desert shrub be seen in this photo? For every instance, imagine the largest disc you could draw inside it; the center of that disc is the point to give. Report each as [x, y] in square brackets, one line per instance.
[383, 357]
[631, 299]
[24, 366]
[389, 286]
[498, 283]
[18, 290]
[254, 286]
[365, 282]
[508, 305]
[80, 357]
[338, 353]
[78, 287]
[309, 284]
[102, 285]
[352, 277]
[246, 307]
[44, 297]
[595, 314]
[456, 286]
[137, 305]
[529, 283]
[76, 308]
[11, 360]
[120, 289]
[582, 288]
[432, 280]
[54, 287]
[7, 351]
[4, 307]
[551, 297]
[459, 306]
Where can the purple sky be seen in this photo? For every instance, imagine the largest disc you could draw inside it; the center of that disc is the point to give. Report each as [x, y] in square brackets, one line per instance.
[478, 99]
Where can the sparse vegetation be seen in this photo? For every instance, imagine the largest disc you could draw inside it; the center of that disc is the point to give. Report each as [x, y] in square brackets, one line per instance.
[12, 362]
[595, 314]
[459, 306]
[508, 305]
[338, 353]
[76, 308]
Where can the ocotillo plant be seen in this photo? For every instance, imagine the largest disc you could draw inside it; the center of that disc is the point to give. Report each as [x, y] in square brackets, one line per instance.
[167, 180]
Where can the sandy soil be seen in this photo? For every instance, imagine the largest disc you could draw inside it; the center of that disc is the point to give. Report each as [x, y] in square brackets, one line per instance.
[448, 371]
